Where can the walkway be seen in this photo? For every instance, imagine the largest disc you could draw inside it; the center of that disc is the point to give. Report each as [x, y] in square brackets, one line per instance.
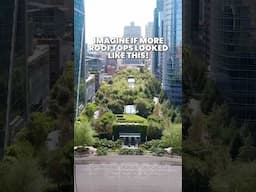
[128, 173]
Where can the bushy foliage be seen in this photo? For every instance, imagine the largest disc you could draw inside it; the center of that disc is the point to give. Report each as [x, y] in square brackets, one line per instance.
[144, 106]
[237, 177]
[172, 137]
[23, 175]
[108, 144]
[90, 109]
[102, 151]
[83, 133]
[129, 151]
[104, 124]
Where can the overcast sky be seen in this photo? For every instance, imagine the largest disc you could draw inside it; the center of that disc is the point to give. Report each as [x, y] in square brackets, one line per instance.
[108, 17]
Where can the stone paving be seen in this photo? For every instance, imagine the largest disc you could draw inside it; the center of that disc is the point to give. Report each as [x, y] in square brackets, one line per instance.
[128, 173]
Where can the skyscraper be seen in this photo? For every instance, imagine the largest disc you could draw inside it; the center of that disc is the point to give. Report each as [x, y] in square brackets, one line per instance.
[132, 31]
[79, 54]
[172, 64]
[149, 29]
[13, 92]
[233, 56]
[157, 57]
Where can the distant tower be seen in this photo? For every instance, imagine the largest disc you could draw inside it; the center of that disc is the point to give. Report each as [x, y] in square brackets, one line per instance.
[149, 29]
[132, 31]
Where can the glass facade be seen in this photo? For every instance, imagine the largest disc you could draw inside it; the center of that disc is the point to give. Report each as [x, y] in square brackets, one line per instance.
[158, 32]
[13, 78]
[233, 56]
[79, 54]
[172, 65]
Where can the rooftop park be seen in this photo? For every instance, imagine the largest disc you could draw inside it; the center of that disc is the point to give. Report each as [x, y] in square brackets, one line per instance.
[151, 127]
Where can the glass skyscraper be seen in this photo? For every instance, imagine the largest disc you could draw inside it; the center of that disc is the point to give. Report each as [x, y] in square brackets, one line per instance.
[79, 54]
[233, 56]
[172, 59]
[157, 58]
[13, 70]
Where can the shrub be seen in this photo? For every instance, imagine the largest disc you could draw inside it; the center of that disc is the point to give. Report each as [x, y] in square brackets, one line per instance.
[144, 107]
[108, 144]
[172, 137]
[90, 109]
[101, 151]
[152, 144]
[83, 134]
[139, 151]
[82, 149]
[177, 150]
[116, 106]
[127, 151]
[158, 151]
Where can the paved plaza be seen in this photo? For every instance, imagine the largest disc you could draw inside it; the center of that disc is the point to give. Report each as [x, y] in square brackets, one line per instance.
[127, 174]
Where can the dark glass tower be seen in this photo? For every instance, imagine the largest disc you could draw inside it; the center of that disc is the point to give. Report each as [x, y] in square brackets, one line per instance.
[13, 70]
[233, 55]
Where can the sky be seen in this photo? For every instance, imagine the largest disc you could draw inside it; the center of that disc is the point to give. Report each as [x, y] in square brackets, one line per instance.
[108, 17]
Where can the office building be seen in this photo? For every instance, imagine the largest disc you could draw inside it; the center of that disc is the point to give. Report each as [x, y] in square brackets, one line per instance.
[13, 73]
[132, 31]
[172, 59]
[38, 78]
[79, 54]
[90, 88]
[149, 29]
[233, 56]
[157, 57]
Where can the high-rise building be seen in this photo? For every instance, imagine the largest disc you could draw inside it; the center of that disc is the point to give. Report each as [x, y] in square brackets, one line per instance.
[233, 55]
[13, 73]
[132, 31]
[172, 64]
[49, 27]
[149, 29]
[196, 22]
[157, 57]
[38, 78]
[79, 54]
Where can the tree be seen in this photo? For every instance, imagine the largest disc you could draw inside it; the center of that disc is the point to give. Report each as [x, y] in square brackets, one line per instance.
[235, 146]
[83, 134]
[90, 110]
[155, 129]
[60, 167]
[237, 177]
[21, 149]
[23, 175]
[247, 153]
[38, 128]
[172, 136]
[144, 107]
[104, 124]
[116, 106]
